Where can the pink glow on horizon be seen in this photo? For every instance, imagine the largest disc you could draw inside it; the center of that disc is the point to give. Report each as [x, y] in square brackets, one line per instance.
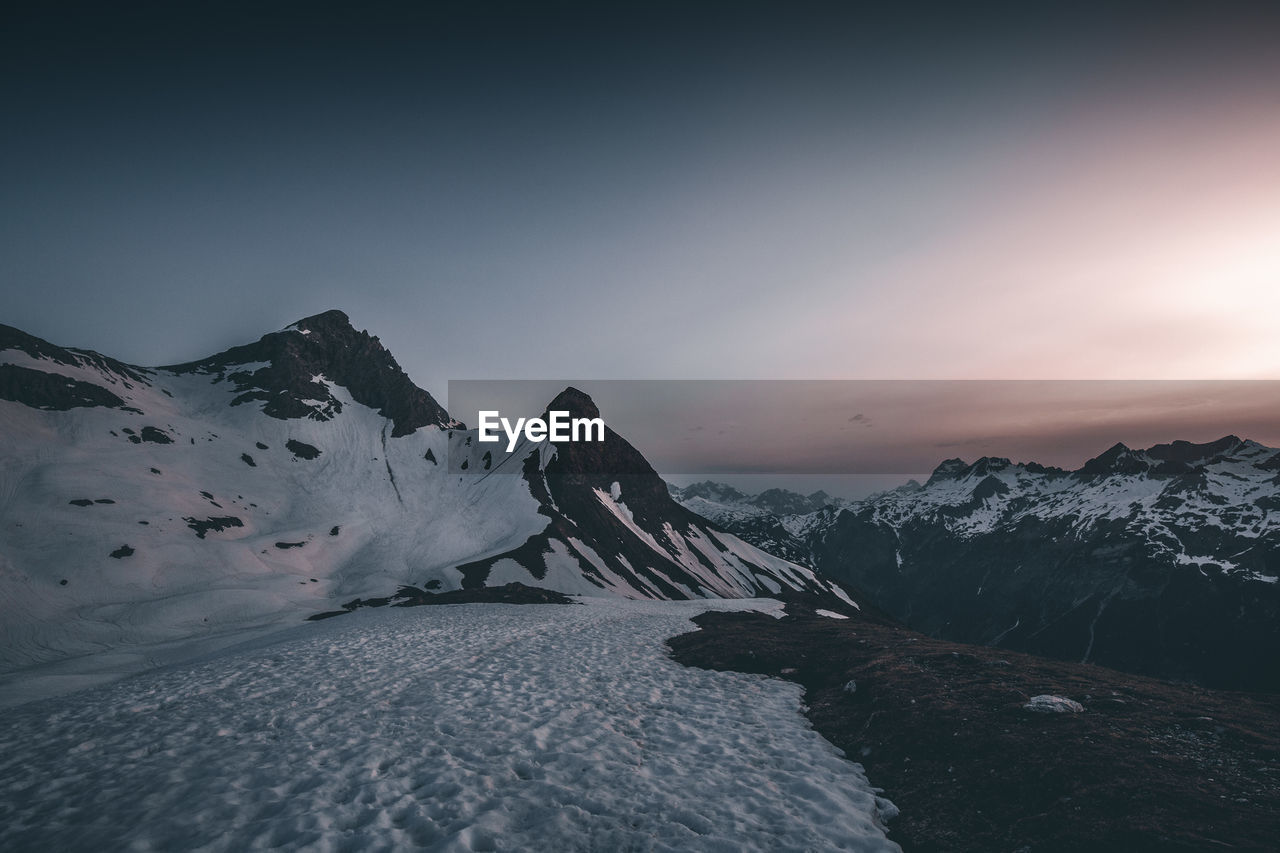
[1125, 241]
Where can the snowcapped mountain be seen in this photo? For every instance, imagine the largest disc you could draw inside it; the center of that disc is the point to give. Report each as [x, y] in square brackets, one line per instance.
[1162, 561]
[781, 502]
[150, 512]
[770, 520]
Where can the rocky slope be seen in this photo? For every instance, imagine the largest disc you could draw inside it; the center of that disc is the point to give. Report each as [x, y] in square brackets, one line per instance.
[1136, 764]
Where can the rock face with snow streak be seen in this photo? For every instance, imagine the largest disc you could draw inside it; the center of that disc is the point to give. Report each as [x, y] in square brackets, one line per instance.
[146, 507]
[613, 523]
[24, 379]
[1161, 561]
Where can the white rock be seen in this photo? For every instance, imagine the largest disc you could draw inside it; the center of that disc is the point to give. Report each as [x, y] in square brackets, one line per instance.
[1048, 704]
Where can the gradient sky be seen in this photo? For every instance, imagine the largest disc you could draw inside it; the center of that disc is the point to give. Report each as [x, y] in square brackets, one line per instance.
[853, 437]
[748, 190]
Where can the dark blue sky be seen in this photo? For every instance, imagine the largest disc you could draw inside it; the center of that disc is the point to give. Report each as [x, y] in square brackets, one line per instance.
[511, 190]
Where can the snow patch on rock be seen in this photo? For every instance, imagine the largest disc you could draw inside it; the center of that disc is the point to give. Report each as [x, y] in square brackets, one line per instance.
[1049, 704]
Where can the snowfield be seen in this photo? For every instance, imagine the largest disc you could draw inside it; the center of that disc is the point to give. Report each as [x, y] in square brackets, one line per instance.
[472, 727]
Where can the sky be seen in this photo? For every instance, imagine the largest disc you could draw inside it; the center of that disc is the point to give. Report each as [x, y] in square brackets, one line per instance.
[851, 438]
[662, 190]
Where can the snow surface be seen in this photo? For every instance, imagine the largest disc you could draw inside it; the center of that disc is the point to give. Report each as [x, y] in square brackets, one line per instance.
[474, 727]
[830, 614]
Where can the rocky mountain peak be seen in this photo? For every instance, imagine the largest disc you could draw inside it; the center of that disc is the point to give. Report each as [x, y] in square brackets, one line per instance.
[1117, 459]
[610, 512]
[712, 491]
[1187, 452]
[948, 469]
[577, 403]
[786, 502]
[1160, 460]
[332, 321]
[989, 465]
[291, 371]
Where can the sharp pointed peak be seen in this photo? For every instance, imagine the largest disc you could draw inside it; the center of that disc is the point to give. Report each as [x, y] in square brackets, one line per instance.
[325, 321]
[577, 403]
[948, 469]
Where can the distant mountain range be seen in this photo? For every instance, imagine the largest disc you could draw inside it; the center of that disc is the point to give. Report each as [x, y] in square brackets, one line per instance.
[146, 507]
[1161, 561]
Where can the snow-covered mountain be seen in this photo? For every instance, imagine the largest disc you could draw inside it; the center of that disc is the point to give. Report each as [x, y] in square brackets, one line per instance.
[780, 502]
[147, 512]
[1163, 560]
[772, 520]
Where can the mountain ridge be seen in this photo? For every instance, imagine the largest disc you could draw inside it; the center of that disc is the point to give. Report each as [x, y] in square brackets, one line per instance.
[1161, 560]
